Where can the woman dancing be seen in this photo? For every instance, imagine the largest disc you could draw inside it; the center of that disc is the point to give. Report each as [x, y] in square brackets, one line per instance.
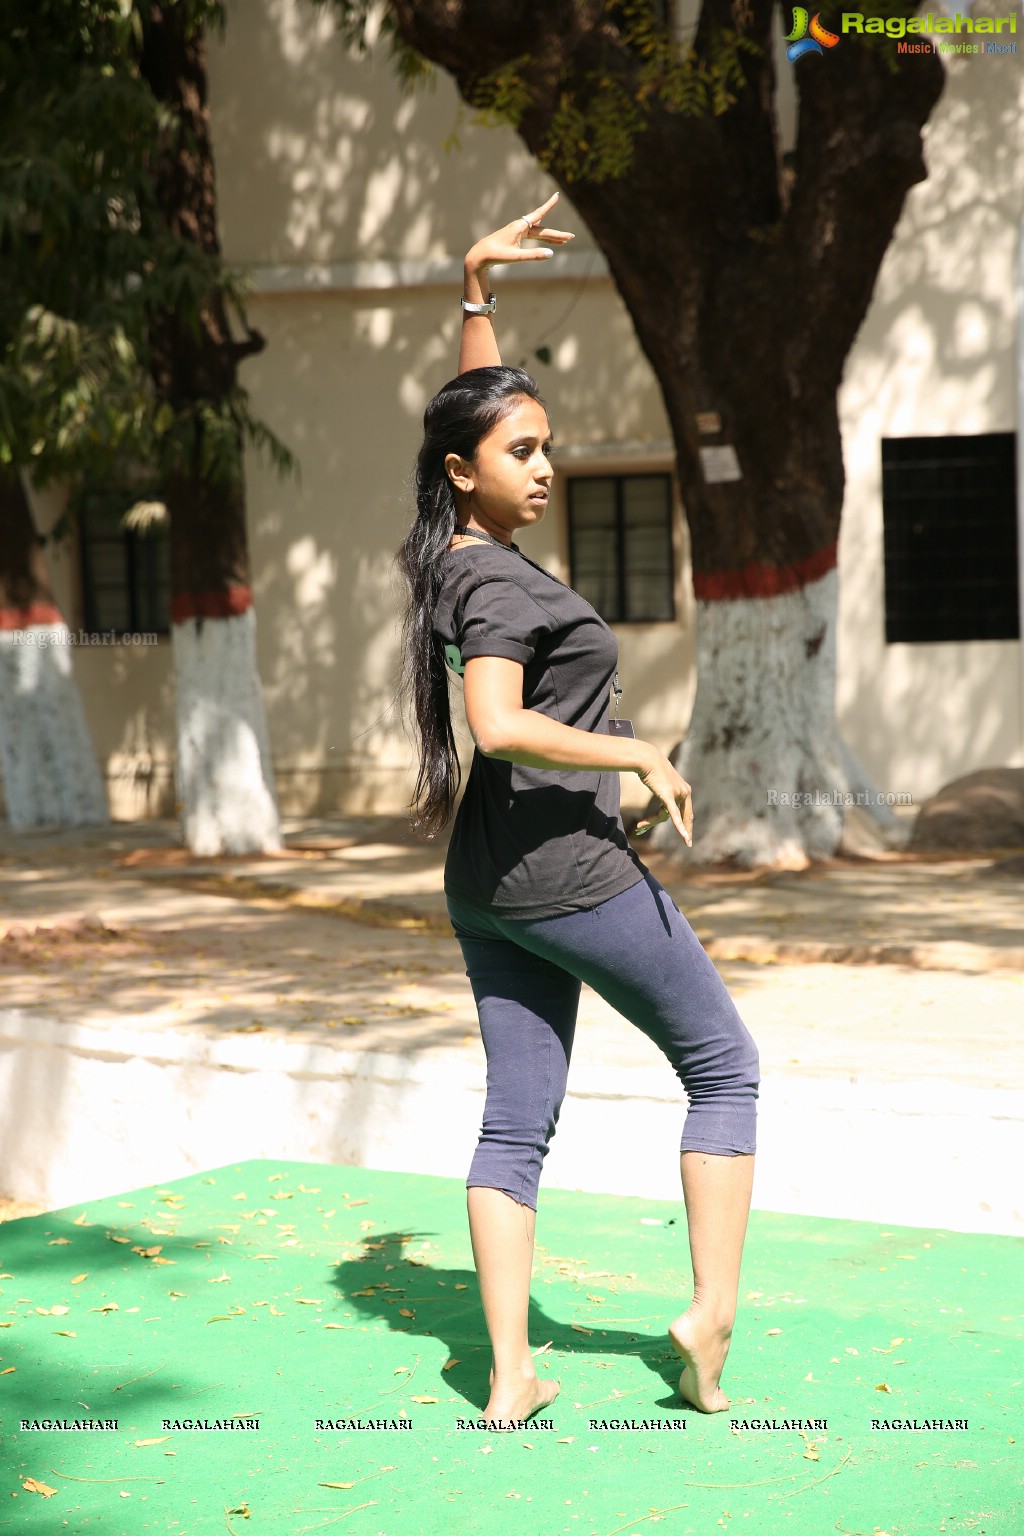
[543, 889]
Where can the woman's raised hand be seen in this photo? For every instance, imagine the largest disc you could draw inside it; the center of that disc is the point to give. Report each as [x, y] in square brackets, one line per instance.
[506, 243]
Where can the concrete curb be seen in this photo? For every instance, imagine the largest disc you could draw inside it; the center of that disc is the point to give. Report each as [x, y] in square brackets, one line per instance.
[88, 1102]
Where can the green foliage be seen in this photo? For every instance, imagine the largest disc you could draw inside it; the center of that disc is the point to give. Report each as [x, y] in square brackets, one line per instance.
[503, 95]
[599, 115]
[592, 132]
[68, 120]
[206, 437]
[89, 264]
[69, 394]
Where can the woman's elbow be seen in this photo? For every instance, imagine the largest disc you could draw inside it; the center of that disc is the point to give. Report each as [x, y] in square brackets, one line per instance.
[488, 740]
[493, 735]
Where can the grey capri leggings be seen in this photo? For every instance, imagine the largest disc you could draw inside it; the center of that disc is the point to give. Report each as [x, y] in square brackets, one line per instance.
[640, 954]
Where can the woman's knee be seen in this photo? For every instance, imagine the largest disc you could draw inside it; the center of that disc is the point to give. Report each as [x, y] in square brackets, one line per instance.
[726, 1064]
[516, 1135]
[739, 1070]
[748, 1063]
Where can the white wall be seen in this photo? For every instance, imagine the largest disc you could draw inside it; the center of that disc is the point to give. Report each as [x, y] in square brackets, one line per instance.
[936, 355]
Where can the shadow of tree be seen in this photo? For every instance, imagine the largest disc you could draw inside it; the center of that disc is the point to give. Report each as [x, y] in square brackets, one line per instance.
[422, 1299]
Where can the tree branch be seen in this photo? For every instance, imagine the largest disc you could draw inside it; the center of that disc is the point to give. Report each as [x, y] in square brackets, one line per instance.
[858, 153]
[255, 342]
[748, 130]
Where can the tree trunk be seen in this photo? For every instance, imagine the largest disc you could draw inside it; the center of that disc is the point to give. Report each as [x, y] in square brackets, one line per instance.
[762, 488]
[223, 768]
[223, 772]
[747, 281]
[50, 773]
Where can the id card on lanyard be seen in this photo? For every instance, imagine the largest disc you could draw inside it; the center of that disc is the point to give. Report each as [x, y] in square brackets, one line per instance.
[617, 727]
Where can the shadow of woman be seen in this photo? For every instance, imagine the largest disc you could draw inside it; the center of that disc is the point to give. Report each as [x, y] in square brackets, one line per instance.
[414, 1297]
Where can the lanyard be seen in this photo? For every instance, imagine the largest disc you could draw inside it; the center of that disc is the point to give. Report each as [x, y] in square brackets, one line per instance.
[617, 727]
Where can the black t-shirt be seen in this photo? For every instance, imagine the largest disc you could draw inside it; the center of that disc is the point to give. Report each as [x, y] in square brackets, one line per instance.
[534, 842]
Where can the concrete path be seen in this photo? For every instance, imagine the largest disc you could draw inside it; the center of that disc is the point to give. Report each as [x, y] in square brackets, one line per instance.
[162, 1013]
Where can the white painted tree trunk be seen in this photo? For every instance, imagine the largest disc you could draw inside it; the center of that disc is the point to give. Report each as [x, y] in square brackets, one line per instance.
[771, 778]
[50, 772]
[223, 773]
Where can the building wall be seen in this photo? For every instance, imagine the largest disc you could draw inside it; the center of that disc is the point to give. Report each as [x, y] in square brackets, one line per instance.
[352, 209]
[937, 354]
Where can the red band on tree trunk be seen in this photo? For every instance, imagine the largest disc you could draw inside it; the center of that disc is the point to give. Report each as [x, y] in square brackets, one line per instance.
[757, 580]
[32, 613]
[225, 603]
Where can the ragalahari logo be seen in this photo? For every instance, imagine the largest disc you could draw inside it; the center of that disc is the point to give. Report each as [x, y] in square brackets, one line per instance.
[932, 29]
[800, 43]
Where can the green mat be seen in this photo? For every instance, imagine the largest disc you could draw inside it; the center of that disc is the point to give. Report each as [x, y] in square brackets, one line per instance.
[295, 1293]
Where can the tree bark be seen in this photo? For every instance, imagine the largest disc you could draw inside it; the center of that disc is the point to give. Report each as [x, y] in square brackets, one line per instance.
[50, 773]
[223, 767]
[747, 282]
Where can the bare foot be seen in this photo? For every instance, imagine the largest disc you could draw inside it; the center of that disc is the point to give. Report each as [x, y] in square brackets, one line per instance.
[703, 1347]
[519, 1399]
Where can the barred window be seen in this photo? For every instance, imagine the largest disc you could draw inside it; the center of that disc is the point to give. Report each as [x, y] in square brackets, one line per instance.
[126, 580]
[949, 508]
[620, 545]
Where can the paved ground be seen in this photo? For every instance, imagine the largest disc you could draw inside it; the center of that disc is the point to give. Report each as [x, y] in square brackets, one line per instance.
[897, 971]
[126, 923]
[190, 939]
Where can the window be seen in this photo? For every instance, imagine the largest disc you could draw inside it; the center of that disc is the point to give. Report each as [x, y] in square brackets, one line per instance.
[620, 545]
[126, 581]
[949, 508]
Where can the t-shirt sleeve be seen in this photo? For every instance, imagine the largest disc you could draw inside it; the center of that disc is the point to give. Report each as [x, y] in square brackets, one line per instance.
[499, 619]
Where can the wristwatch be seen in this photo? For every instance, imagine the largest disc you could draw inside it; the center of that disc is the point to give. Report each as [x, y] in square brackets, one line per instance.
[480, 309]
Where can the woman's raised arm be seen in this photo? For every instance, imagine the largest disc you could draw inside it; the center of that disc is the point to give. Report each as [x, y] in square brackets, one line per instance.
[479, 347]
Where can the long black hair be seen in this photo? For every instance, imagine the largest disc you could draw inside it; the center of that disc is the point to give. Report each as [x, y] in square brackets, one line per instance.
[460, 414]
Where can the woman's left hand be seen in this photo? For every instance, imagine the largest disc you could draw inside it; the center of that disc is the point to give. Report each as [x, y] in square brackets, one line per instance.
[659, 775]
[505, 243]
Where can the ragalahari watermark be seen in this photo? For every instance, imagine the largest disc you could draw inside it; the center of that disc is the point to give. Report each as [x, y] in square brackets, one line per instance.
[799, 797]
[47, 635]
